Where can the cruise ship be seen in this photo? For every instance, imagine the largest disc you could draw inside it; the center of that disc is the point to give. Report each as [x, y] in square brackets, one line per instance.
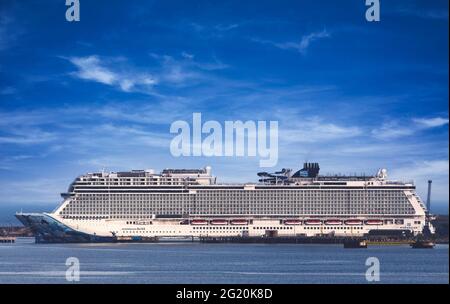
[190, 203]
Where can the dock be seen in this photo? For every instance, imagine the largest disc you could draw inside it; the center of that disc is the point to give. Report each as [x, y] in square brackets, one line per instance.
[355, 243]
[302, 240]
[7, 239]
[135, 239]
[423, 244]
[273, 240]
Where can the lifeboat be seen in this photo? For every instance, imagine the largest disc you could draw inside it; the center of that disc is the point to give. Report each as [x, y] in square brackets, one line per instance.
[292, 222]
[313, 222]
[143, 222]
[374, 222]
[199, 222]
[333, 222]
[239, 222]
[353, 222]
[219, 222]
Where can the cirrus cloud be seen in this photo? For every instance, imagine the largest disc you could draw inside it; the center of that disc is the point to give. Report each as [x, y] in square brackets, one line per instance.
[396, 129]
[94, 69]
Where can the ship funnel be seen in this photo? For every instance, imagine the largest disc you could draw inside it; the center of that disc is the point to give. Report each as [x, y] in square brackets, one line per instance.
[429, 196]
[310, 170]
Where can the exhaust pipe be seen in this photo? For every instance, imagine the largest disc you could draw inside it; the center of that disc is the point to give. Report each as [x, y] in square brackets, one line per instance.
[429, 197]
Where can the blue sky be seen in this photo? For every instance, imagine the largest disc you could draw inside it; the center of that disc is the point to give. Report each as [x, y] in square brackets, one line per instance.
[352, 95]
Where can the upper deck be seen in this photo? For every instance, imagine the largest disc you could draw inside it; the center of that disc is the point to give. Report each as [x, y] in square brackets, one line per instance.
[202, 179]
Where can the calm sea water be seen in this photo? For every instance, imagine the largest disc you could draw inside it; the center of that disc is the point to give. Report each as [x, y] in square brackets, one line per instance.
[26, 262]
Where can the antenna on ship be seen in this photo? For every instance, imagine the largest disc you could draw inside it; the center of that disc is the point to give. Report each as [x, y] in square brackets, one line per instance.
[428, 227]
[429, 196]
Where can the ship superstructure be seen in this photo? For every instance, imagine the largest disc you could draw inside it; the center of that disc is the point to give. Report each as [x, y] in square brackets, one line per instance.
[189, 203]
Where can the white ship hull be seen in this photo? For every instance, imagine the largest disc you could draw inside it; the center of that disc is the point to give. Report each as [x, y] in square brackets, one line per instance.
[189, 204]
[255, 227]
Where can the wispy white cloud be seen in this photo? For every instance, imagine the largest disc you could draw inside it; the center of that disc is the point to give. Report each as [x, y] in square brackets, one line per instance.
[431, 122]
[7, 90]
[186, 70]
[437, 14]
[33, 190]
[18, 118]
[392, 130]
[150, 114]
[424, 169]
[94, 69]
[226, 27]
[420, 171]
[208, 31]
[134, 135]
[27, 137]
[187, 55]
[9, 33]
[301, 46]
[196, 26]
[396, 129]
[316, 130]
[165, 71]
[211, 65]
[91, 69]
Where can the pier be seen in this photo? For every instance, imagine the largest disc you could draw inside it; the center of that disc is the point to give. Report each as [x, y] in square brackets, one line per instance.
[135, 239]
[273, 240]
[7, 239]
[303, 240]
